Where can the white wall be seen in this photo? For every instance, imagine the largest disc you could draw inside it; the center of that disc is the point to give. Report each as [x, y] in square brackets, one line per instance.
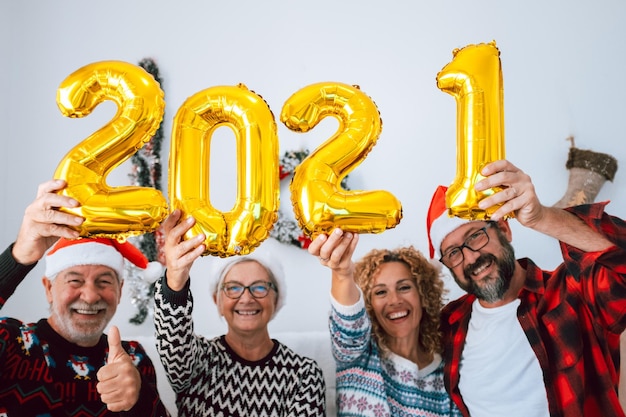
[562, 64]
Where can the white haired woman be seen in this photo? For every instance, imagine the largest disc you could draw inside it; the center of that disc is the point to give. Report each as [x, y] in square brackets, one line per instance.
[243, 372]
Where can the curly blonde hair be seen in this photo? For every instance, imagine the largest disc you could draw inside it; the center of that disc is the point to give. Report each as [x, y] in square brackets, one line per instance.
[429, 287]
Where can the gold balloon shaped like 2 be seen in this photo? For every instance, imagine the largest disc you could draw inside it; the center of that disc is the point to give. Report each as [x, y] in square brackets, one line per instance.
[474, 79]
[319, 202]
[117, 212]
[241, 230]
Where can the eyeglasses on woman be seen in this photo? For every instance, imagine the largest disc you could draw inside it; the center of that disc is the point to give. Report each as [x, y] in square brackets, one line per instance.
[258, 289]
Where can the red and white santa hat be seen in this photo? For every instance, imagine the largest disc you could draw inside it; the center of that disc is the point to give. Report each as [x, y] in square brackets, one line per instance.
[121, 257]
[439, 223]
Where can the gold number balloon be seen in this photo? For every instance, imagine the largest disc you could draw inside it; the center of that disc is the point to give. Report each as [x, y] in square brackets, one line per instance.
[116, 212]
[250, 221]
[319, 202]
[474, 78]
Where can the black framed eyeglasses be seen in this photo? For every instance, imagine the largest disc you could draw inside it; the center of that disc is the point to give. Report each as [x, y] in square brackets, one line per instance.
[258, 289]
[474, 242]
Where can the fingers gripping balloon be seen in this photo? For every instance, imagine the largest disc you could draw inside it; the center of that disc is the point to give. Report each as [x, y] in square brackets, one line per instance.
[319, 202]
[250, 221]
[116, 212]
[474, 79]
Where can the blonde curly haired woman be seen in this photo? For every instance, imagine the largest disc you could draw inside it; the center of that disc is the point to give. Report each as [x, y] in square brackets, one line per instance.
[384, 325]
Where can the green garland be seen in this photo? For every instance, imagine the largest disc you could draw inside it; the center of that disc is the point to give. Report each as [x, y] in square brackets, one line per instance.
[146, 172]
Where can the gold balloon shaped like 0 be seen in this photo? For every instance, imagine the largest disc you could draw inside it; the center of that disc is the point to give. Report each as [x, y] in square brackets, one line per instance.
[242, 229]
[115, 212]
[320, 203]
[474, 79]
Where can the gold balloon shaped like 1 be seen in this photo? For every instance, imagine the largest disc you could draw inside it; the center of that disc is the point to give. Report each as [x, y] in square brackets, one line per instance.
[320, 203]
[474, 79]
[242, 229]
[114, 212]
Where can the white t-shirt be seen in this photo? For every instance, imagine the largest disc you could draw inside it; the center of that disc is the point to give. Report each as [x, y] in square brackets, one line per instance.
[499, 373]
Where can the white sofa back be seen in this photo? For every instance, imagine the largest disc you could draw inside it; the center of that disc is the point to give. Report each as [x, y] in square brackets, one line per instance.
[315, 345]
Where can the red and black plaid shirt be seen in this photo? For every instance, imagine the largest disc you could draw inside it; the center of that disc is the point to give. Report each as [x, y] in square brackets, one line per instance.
[572, 317]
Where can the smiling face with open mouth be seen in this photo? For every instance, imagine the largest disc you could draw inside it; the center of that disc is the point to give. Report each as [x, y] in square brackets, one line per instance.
[83, 299]
[486, 272]
[247, 313]
[395, 301]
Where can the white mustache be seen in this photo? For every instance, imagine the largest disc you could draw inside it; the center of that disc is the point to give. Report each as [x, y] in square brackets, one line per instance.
[100, 305]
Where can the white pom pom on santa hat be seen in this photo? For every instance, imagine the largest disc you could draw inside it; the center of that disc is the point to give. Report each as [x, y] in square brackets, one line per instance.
[439, 223]
[153, 271]
[116, 255]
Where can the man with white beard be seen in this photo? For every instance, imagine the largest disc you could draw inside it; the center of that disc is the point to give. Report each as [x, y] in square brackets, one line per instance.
[64, 365]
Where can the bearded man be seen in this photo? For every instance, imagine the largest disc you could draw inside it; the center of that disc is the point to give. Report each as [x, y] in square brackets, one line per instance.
[524, 341]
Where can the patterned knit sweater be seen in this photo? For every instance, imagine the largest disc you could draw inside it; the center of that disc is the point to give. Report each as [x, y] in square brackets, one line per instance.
[44, 375]
[371, 385]
[210, 379]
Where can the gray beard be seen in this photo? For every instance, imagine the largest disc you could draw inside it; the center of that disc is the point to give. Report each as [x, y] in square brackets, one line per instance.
[492, 289]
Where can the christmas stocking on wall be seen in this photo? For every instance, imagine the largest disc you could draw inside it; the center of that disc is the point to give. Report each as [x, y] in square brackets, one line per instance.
[588, 171]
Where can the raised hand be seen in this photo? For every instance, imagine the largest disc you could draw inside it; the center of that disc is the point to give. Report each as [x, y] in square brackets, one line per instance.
[43, 224]
[517, 196]
[335, 251]
[119, 381]
[180, 254]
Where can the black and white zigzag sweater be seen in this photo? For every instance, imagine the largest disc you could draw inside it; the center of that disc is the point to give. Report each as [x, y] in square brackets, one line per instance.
[210, 379]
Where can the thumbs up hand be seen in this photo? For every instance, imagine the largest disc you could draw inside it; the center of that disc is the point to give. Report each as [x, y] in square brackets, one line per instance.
[119, 381]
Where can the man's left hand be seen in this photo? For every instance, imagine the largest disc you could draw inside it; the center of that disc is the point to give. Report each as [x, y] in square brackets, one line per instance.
[119, 381]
